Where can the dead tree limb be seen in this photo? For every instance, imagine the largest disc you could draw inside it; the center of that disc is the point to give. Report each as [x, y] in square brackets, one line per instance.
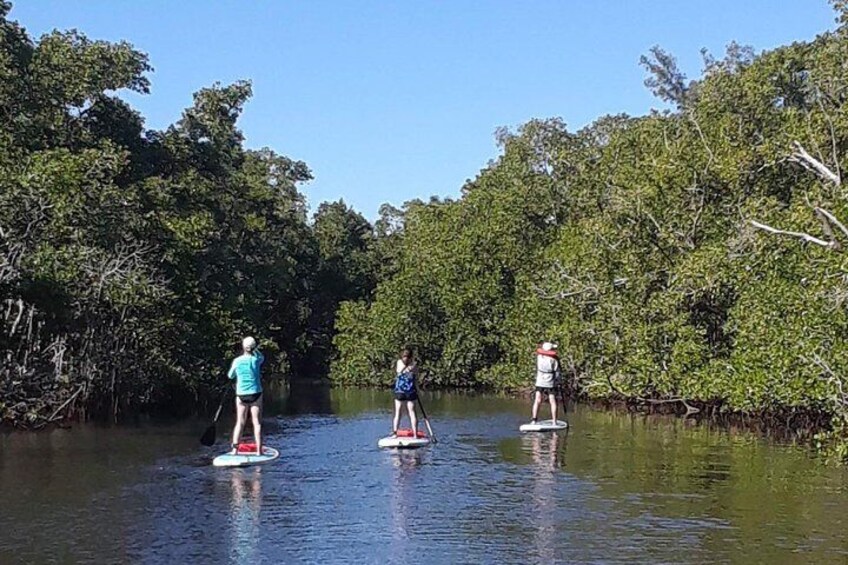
[799, 155]
[832, 220]
[64, 404]
[803, 236]
[689, 408]
[828, 220]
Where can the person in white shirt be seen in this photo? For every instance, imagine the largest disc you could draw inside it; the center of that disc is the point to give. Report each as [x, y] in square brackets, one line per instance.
[547, 378]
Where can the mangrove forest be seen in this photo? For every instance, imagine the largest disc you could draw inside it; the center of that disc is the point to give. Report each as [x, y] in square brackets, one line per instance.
[692, 258]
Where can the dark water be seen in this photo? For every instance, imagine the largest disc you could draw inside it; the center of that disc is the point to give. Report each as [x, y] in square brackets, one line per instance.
[616, 488]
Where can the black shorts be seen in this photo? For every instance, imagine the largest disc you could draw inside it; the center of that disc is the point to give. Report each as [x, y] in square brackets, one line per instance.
[250, 398]
[407, 396]
[546, 390]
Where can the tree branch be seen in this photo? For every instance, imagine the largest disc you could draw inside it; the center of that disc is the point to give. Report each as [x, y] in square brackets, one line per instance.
[689, 408]
[68, 401]
[831, 219]
[800, 156]
[803, 236]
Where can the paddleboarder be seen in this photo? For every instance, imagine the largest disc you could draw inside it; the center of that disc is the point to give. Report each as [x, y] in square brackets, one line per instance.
[405, 391]
[547, 376]
[246, 370]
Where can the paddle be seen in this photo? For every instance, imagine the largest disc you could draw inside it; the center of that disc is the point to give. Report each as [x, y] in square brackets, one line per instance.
[560, 384]
[562, 398]
[208, 437]
[427, 421]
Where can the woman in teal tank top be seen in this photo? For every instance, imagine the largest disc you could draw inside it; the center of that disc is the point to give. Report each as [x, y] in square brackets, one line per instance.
[246, 370]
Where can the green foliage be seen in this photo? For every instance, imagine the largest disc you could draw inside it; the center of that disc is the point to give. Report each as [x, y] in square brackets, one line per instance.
[347, 270]
[630, 242]
[131, 261]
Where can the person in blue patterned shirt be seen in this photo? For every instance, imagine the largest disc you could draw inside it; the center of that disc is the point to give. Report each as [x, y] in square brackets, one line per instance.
[405, 391]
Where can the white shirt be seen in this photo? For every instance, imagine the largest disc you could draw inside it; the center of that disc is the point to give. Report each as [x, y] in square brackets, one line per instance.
[400, 367]
[547, 368]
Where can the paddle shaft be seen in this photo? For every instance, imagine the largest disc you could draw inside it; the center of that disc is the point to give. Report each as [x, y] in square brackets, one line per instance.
[208, 437]
[218, 412]
[221, 404]
[426, 419]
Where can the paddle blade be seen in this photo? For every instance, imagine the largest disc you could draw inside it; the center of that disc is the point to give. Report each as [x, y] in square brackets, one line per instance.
[208, 437]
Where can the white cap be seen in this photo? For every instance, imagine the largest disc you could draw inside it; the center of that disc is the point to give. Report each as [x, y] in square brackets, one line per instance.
[548, 346]
[248, 343]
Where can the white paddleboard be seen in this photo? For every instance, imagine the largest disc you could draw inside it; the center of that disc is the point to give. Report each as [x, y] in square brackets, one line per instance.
[404, 440]
[246, 456]
[544, 426]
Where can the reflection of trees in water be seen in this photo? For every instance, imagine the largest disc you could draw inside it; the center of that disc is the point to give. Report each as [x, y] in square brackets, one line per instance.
[308, 398]
[245, 503]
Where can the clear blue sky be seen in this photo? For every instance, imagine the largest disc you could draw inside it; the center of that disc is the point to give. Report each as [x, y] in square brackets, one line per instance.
[393, 100]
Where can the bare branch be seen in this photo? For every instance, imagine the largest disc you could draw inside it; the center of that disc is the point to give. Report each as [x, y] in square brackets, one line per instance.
[832, 132]
[703, 141]
[831, 219]
[689, 408]
[825, 224]
[611, 246]
[690, 237]
[576, 285]
[800, 156]
[20, 305]
[68, 401]
[833, 378]
[828, 220]
[558, 295]
[654, 221]
[803, 236]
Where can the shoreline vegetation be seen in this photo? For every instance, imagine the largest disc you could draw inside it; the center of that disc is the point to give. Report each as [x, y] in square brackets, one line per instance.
[689, 261]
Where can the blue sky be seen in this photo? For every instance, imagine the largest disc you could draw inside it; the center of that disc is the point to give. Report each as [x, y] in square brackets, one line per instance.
[393, 100]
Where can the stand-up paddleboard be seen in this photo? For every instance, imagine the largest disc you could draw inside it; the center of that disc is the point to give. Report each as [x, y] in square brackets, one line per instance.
[405, 440]
[544, 426]
[246, 456]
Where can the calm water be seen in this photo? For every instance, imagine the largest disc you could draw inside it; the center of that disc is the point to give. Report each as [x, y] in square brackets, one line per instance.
[616, 488]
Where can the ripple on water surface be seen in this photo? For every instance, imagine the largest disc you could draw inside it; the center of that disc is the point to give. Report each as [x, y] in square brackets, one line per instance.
[614, 488]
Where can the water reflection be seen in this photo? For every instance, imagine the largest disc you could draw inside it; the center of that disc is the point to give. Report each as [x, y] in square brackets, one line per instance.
[402, 498]
[628, 490]
[245, 503]
[544, 451]
[307, 398]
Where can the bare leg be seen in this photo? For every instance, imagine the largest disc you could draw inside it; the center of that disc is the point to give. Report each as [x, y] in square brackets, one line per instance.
[241, 416]
[552, 400]
[413, 419]
[537, 400]
[396, 419]
[256, 416]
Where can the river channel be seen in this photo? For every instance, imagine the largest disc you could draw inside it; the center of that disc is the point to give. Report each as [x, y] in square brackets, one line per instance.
[614, 488]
